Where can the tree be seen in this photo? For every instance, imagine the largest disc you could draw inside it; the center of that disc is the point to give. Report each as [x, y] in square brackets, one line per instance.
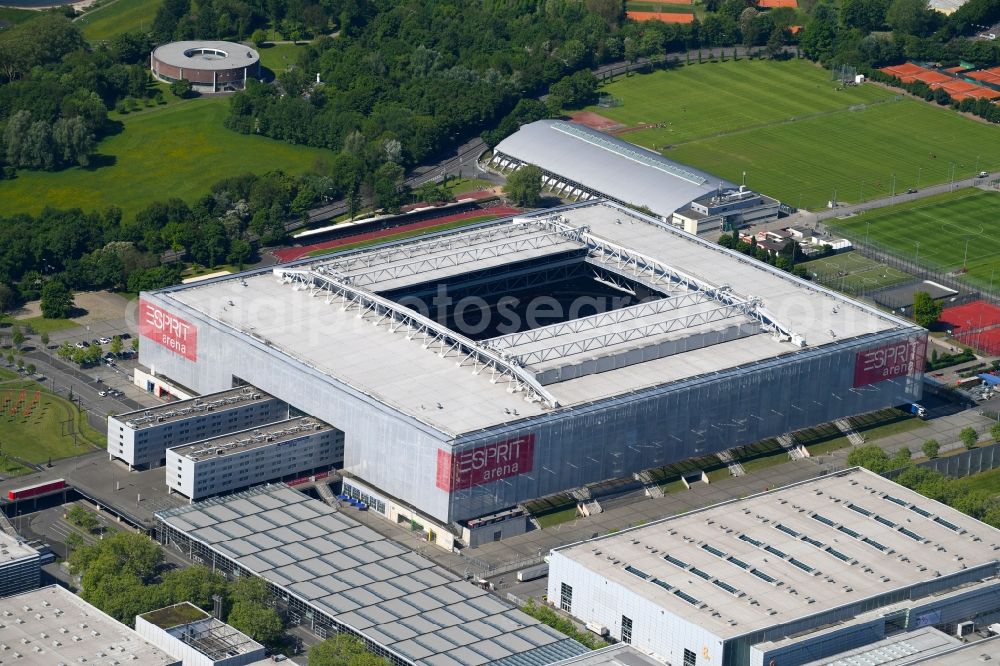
[775, 43]
[17, 337]
[249, 590]
[182, 88]
[995, 431]
[925, 309]
[931, 448]
[819, 37]
[870, 457]
[901, 459]
[7, 296]
[343, 650]
[116, 345]
[910, 17]
[82, 518]
[968, 436]
[258, 37]
[524, 186]
[135, 344]
[44, 337]
[196, 584]
[57, 300]
[65, 350]
[30, 368]
[261, 623]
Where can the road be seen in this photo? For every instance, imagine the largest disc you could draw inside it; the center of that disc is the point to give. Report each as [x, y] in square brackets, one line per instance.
[902, 197]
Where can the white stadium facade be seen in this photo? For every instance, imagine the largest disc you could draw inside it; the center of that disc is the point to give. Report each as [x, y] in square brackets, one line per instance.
[580, 163]
[475, 369]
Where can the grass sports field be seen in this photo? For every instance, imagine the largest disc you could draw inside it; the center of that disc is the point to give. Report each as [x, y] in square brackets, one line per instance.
[852, 273]
[37, 426]
[177, 150]
[113, 18]
[795, 134]
[941, 225]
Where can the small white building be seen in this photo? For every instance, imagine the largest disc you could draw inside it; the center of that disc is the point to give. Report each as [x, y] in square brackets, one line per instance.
[251, 457]
[20, 566]
[141, 438]
[196, 638]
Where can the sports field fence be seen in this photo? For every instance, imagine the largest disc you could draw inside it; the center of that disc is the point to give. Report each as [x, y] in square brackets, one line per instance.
[967, 291]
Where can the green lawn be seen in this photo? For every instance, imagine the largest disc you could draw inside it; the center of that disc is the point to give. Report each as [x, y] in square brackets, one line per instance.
[42, 325]
[36, 434]
[118, 16]
[795, 134]
[14, 15]
[178, 150]
[941, 224]
[279, 57]
[988, 481]
[557, 517]
[852, 273]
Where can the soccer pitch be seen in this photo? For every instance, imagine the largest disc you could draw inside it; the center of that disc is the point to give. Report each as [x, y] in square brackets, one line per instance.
[853, 273]
[936, 232]
[796, 134]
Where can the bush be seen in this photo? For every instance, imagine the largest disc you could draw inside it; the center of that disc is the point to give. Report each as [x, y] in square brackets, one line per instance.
[931, 448]
[968, 436]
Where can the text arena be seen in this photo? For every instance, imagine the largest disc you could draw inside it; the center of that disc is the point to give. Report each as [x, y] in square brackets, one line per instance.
[889, 361]
[168, 330]
[484, 464]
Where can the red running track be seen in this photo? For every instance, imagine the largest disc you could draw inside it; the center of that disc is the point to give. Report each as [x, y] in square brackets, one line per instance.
[292, 253]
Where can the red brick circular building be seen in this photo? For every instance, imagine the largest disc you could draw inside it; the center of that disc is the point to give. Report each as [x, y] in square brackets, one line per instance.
[209, 66]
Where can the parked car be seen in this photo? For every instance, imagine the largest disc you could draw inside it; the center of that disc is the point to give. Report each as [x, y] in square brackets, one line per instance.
[102, 393]
[105, 340]
[125, 336]
[95, 342]
[81, 345]
[911, 191]
[984, 174]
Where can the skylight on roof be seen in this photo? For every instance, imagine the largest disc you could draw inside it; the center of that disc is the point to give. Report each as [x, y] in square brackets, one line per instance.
[701, 574]
[894, 500]
[874, 544]
[687, 597]
[922, 512]
[801, 565]
[750, 540]
[849, 532]
[662, 583]
[775, 551]
[740, 563]
[885, 521]
[861, 510]
[839, 555]
[787, 530]
[763, 576]
[951, 526]
[912, 535]
[726, 586]
[714, 551]
[676, 562]
[637, 572]
[823, 519]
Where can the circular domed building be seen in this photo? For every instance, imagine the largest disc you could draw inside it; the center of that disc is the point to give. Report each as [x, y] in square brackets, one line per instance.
[209, 66]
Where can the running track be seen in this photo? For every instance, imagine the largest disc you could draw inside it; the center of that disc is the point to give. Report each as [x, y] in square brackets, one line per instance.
[292, 253]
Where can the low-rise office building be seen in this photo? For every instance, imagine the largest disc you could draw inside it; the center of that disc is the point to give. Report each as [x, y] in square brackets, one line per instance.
[141, 438]
[51, 625]
[276, 451]
[199, 639]
[784, 577]
[20, 566]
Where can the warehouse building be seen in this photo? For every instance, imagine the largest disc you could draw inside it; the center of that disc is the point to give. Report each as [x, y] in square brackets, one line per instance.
[20, 565]
[581, 163]
[197, 638]
[335, 575]
[785, 577]
[476, 369]
[285, 449]
[141, 438]
[51, 625]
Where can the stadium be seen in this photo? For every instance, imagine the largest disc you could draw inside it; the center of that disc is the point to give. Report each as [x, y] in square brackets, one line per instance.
[472, 370]
[209, 66]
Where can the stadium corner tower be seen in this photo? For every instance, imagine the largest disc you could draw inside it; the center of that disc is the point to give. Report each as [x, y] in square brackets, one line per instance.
[475, 369]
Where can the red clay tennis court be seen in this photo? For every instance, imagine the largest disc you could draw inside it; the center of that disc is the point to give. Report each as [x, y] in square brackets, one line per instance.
[976, 324]
[773, 4]
[593, 120]
[666, 17]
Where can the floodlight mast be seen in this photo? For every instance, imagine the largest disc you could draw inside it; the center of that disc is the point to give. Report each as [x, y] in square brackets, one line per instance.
[397, 316]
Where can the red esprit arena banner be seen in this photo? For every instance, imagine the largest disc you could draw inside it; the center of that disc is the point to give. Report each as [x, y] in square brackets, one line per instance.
[168, 330]
[483, 464]
[895, 360]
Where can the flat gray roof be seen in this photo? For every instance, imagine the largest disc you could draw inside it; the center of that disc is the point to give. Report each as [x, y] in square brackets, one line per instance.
[904, 648]
[371, 584]
[174, 411]
[609, 165]
[206, 55]
[619, 654]
[327, 335]
[762, 561]
[59, 627]
[254, 438]
[12, 549]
